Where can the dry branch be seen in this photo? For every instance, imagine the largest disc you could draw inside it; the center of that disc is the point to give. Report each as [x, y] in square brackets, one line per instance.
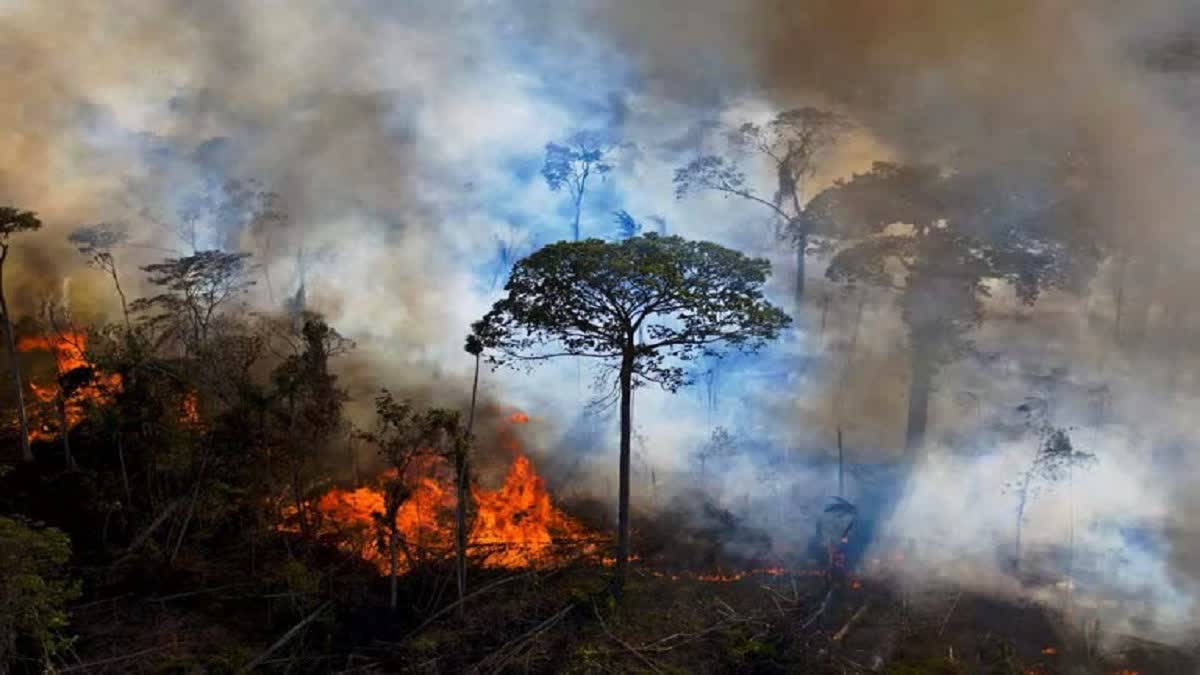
[837, 637]
[949, 613]
[496, 661]
[258, 660]
[629, 648]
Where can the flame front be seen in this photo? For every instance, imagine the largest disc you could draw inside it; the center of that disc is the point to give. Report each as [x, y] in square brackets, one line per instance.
[516, 525]
[68, 349]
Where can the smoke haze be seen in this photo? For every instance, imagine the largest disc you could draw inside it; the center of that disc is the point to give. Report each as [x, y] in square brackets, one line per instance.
[405, 142]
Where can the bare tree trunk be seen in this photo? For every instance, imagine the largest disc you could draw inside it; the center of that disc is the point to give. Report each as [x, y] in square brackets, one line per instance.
[1120, 300]
[801, 253]
[124, 473]
[14, 365]
[464, 493]
[919, 389]
[623, 544]
[121, 294]
[578, 208]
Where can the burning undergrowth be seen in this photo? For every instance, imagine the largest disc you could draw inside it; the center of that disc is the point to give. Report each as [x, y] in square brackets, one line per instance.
[60, 397]
[516, 524]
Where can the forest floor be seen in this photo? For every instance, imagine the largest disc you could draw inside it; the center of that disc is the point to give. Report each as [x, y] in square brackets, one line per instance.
[565, 620]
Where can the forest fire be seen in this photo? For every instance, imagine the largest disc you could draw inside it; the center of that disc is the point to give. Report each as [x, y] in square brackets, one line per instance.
[77, 384]
[516, 525]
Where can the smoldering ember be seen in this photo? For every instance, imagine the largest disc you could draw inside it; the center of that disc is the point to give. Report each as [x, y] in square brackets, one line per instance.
[516, 336]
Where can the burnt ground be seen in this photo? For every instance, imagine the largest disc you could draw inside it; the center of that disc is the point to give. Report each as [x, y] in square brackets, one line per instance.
[565, 620]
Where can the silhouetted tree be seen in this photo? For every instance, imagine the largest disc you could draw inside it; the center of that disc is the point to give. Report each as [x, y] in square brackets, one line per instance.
[645, 305]
[462, 473]
[939, 239]
[793, 142]
[571, 165]
[97, 242]
[193, 291]
[15, 221]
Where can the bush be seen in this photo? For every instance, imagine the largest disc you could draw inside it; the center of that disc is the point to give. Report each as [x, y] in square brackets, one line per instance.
[34, 591]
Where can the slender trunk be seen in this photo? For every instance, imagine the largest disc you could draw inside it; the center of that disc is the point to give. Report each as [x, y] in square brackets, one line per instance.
[919, 387]
[801, 253]
[464, 493]
[623, 546]
[14, 365]
[121, 295]
[841, 466]
[124, 473]
[578, 208]
[1120, 300]
[1022, 501]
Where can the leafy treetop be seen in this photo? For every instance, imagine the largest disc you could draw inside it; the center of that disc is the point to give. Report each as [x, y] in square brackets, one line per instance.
[647, 298]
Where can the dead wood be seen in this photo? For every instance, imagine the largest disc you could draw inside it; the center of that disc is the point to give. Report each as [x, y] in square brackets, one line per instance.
[150, 529]
[629, 648]
[258, 660]
[837, 637]
[949, 613]
[820, 610]
[441, 612]
[92, 665]
[496, 661]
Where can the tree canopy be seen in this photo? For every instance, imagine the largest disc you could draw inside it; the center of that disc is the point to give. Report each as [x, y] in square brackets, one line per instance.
[593, 298]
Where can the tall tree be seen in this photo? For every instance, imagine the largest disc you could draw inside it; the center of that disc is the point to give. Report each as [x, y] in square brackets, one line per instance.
[571, 165]
[642, 306]
[14, 221]
[462, 457]
[939, 238]
[97, 242]
[793, 143]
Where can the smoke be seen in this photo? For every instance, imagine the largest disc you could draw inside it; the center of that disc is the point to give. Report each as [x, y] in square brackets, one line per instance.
[404, 142]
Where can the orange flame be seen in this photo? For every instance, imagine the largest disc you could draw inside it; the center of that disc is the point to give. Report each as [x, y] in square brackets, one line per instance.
[190, 415]
[1050, 651]
[68, 349]
[516, 525]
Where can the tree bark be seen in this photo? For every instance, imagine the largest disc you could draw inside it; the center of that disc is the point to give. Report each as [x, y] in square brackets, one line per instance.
[919, 388]
[14, 365]
[626, 377]
[464, 493]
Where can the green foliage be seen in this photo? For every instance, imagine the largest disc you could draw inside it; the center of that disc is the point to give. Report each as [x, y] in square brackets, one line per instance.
[594, 299]
[34, 591]
[14, 221]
